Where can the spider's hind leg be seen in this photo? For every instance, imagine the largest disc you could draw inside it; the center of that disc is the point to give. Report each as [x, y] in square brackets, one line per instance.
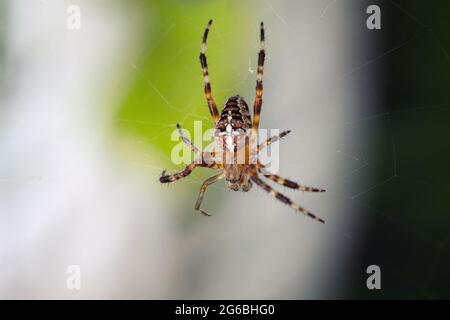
[286, 182]
[205, 185]
[291, 184]
[283, 198]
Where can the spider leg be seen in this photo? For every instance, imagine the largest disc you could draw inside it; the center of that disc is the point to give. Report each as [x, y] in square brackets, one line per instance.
[285, 182]
[283, 198]
[209, 98]
[291, 184]
[273, 139]
[207, 155]
[205, 184]
[177, 176]
[186, 140]
[259, 86]
[189, 168]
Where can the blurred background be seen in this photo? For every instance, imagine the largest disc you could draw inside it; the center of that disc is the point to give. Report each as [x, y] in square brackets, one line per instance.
[88, 106]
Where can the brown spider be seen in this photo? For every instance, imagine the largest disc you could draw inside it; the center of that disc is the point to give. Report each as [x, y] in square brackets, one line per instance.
[233, 134]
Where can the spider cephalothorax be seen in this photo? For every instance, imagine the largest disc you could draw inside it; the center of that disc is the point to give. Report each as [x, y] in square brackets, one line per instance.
[235, 134]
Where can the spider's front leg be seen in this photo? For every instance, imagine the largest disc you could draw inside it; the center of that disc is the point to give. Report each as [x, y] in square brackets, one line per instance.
[257, 104]
[203, 62]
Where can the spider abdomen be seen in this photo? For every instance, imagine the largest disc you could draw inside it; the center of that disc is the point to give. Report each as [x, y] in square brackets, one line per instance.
[235, 115]
[233, 126]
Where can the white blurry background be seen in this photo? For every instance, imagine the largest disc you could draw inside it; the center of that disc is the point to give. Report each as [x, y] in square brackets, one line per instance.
[67, 196]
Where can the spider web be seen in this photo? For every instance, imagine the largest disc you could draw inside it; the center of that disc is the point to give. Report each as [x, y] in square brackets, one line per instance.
[405, 236]
[372, 178]
[369, 112]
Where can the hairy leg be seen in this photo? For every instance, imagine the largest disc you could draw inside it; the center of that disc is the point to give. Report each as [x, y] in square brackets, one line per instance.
[209, 98]
[205, 185]
[283, 198]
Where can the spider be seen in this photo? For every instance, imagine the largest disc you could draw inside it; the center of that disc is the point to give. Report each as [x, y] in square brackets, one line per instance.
[236, 131]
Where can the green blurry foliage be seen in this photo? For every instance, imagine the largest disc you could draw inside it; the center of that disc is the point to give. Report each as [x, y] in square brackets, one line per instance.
[168, 85]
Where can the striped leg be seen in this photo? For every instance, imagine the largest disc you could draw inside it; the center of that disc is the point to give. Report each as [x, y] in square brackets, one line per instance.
[273, 139]
[186, 140]
[211, 164]
[177, 176]
[291, 184]
[205, 185]
[259, 86]
[285, 182]
[206, 156]
[283, 198]
[211, 103]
